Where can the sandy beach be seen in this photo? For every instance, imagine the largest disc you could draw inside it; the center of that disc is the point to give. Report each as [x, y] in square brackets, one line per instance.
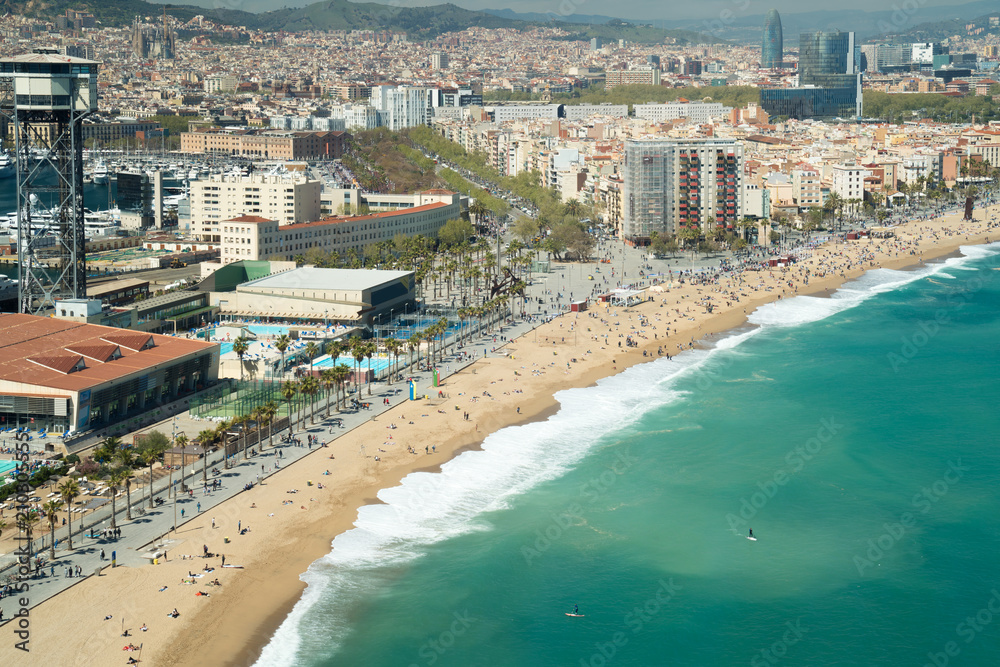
[288, 531]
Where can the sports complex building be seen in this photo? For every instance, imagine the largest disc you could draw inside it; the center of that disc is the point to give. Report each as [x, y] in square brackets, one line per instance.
[59, 376]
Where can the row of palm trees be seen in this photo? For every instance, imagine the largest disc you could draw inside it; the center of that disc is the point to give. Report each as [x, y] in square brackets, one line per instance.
[117, 462]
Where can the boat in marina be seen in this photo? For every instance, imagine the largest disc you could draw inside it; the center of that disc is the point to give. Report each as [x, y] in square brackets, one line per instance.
[101, 173]
[8, 168]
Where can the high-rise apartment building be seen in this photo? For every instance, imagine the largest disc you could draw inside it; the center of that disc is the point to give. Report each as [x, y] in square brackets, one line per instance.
[647, 76]
[400, 107]
[439, 61]
[674, 183]
[772, 46]
[284, 198]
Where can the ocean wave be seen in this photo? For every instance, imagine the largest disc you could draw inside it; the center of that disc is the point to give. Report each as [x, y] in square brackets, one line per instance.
[805, 309]
[426, 508]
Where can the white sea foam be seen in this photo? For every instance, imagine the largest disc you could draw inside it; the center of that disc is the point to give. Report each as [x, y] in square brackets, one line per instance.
[429, 507]
[805, 309]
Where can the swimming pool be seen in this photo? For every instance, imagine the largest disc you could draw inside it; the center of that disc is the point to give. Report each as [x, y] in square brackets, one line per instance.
[225, 347]
[377, 364]
[6, 467]
[269, 330]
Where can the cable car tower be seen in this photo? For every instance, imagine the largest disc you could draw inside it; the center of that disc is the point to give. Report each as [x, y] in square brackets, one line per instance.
[45, 97]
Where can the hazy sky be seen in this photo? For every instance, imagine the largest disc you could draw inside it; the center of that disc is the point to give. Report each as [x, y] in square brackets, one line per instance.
[674, 9]
[652, 10]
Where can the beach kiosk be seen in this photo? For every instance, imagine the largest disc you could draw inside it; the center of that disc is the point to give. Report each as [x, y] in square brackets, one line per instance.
[625, 298]
[578, 306]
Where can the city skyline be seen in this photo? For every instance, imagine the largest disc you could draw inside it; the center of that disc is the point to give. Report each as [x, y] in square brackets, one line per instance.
[632, 10]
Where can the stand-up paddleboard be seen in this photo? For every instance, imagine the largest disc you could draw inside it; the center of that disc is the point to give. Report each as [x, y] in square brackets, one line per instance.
[754, 539]
[574, 615]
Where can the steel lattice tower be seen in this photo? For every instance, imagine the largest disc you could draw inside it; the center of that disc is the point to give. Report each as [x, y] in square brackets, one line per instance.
[45, 97]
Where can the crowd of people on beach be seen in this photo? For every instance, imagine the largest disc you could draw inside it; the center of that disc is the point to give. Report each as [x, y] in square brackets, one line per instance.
[662, 325]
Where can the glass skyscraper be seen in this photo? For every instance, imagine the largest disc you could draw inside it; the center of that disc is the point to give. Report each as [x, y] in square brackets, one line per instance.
[829, 80]
[772, 46]
[827, 59]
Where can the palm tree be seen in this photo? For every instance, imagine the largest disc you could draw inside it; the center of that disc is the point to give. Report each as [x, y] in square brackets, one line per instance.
[477, 209]
[108, 449]
[221, 435]
[115, 482]
[442, 325]
[205, 439]
[148, 458]
[51, 508]
[181, 441]
[341, 372]
[428, 335]
[835, 204]
[413, 343]
[239, 423]
[327, 379]
[369, 350]
[391, 349]
[282, 344]
[311, 350]
[358, 352]
[258, 414]
[240, 347]
[270, 410]
[397, 347]
[288, 392]
[68, 491]
[28, 522]
[126, 459]
[335, 348]
[309, 387]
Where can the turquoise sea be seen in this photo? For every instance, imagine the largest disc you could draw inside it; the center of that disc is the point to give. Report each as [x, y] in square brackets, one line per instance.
[856, 435]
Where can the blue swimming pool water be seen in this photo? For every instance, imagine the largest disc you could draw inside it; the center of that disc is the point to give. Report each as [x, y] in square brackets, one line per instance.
[377, 365]
[269, 330]
[225, 347]
[6, 467]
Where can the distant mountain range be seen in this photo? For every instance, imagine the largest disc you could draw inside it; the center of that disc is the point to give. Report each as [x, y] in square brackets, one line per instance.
[747, 28]
[428, 22]
[419, 23]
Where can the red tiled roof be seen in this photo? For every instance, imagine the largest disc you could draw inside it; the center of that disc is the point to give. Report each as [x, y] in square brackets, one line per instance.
[102, 353]
[249, 218]
[337, 219]
[35, 352]
[130, 341]
[61, 363]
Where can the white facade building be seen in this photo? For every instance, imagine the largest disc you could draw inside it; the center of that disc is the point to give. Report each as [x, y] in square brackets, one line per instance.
[584, 111]
[509, 112]
[403, 106]
[284, 198]
[695, 112]
[848, 181]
